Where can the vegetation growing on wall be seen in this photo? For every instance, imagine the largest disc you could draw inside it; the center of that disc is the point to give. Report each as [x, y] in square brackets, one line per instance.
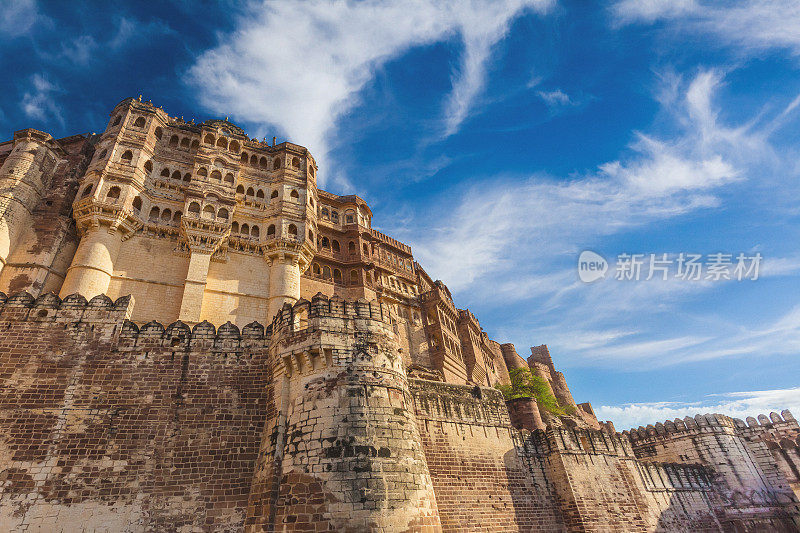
[526, 384]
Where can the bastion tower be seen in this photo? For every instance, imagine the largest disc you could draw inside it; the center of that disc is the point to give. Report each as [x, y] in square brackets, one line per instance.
[195, 187]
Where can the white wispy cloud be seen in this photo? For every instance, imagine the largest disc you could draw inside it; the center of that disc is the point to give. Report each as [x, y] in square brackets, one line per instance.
[515, 241]
[19, 18]
[130, 31]
[38, 103]
[300, 66]
[734, 404]
[499, 225]
[750, 26]
[556, 97]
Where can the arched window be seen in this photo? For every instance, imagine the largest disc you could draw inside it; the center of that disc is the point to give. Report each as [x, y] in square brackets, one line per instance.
[245, 230]
[165, 173]
[113, 194]
[223, 214]
[127, 156]
[325, 214]
[195, 144]
[234, 147]
[350, 217]
[250, 191]
[185, 143]
[194, 208]
[229, 178]
[326, 272]
[166, 215]
[243, 159]
[148, 167]
[354, 277]
[271, 230]
[335, 217]
[316, 270]
[235, 227]
[154, 212]
[296, 162]
[292, 230]
[187, 177]
[326, 243]
[253, 161]
[222, 143]
[335, 245]
[139, 123]
[366, 249]
[273, 195]
[351, 247]
[159, 132]
[294, 195]
[117, 120]
[276, 164]
[137, 204]
[216, 175]
[176, 219]
[255, 232]
[263, 162]
[173, 141]
[208, 212]
[260, 194]
[202, 172]
[209, 139]
[337, 275]
[176, 175]
[240, 189]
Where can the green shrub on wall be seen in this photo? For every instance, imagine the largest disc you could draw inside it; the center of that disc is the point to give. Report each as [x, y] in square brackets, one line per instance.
[526, 384]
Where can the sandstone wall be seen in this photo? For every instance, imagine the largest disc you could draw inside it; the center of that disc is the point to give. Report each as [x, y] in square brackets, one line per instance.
[106, 428]
[481, 482]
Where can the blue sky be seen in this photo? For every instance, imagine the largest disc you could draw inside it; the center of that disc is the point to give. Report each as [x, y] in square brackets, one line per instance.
[500, 139]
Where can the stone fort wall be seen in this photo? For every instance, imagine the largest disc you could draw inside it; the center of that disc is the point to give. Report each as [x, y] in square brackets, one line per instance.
[308, 424]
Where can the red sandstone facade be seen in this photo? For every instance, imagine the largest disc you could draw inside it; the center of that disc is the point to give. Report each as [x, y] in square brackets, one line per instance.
[272, 362]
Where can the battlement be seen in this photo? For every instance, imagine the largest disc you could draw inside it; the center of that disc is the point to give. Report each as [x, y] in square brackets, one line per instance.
[23, 306]
[711, 423]
[774, 420]
[589, 441]
[463, 404]
[302, 315]
[707, 423]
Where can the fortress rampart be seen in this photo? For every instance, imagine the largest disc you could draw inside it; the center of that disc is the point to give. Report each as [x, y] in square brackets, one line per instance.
[235, 349]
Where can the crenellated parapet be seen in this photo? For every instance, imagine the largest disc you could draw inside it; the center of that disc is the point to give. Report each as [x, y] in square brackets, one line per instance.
[21, 307]
[680, 428]
[573, 440]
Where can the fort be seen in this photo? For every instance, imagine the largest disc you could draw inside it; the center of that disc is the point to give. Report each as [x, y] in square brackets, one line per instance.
[195, 337]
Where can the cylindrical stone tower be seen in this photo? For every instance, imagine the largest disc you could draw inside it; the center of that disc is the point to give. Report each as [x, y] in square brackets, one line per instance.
[23, 177]
[93, 264]
[341, 450]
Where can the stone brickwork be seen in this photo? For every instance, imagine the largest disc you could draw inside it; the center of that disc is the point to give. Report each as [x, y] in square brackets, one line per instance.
[481, 483]
[110, 427]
